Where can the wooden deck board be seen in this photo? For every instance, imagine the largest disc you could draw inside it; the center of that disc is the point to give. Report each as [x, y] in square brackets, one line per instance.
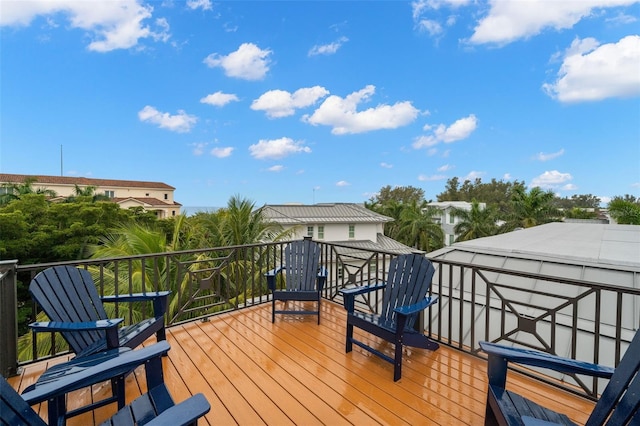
[293, 371]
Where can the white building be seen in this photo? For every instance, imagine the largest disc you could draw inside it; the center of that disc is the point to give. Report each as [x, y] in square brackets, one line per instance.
[348, 223]
[447, 220]
[151, 196]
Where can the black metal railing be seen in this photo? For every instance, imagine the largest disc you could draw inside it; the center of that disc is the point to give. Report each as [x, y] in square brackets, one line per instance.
[577, 318]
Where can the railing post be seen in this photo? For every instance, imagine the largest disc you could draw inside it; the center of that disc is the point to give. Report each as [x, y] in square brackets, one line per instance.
[8, 318]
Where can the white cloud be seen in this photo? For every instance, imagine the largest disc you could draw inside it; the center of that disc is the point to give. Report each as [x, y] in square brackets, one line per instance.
[433, 28]
[460, 129]
[510, 20]
[280, 103]
[328, 49]
[541, 156]
[199, 147]
[276, 168]
[473, 175]
[249, 62]
[592, 72]
[445, 168]
[342, 115]
[551, 179]
[199, 4]
[386, 165]
[425, 178]
[419, 7]
[277, 148]
[181, 122]
[111, 25]
[342, 183]
[428, 20]
[507, 176]
[622, 19]
[219, 99]
[222, 152]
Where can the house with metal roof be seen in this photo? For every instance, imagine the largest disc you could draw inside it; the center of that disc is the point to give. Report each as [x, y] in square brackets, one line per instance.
[346, 223]
[151, 196]
[555, 286]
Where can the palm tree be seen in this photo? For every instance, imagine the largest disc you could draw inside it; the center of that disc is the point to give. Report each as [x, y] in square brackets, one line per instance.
[475, 223]
[392, 209]
[531, 209]
[624, 212]
[418, 228]
[241, 223]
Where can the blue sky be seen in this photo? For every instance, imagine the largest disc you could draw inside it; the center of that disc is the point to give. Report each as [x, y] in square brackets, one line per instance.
[328, 101]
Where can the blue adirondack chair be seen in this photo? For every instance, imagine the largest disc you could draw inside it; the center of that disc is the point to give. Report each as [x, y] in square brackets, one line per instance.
[70, 299]
[155, 407]
[618, 405]
[405, 296]
[304, 278]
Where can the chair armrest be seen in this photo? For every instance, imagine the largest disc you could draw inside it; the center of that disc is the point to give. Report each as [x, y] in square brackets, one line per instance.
[500, 356]
[184, 413]
[110, 326]
[349, 294]
[159, 299]
[271, 277]
[76, 326]
[322, 277]
[322, 272]
[114, 367]
[273, 272]
[363, 289]
[135, 297]
[416, 307]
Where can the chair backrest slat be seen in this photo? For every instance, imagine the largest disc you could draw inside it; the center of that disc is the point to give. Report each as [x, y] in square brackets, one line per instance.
[68, 294]
[302, 260]
[408, 282]
[620, 401]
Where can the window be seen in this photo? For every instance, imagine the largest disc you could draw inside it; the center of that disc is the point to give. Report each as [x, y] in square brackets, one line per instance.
[452, 239]
[173, 212]
[320, 232]
[352, 231]
[166, 196]
[110, 194]
[452, 218]
[310, 231]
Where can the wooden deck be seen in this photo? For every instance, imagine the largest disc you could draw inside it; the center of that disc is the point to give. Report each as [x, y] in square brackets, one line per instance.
[254, 372]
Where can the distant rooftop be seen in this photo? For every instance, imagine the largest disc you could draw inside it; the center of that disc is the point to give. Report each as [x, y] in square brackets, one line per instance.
[589, 244]
[82, 181]
[292, 214]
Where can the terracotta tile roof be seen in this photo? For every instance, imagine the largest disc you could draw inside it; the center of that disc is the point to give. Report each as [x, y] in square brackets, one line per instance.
[145, 200]
[83, 181]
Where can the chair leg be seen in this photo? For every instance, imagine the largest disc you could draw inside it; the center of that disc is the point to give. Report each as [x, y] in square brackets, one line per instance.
[161, 334]
[489, 416]
[349, 343]
[57, 410]
[397, 366]
[117, 389]
[273, 310]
